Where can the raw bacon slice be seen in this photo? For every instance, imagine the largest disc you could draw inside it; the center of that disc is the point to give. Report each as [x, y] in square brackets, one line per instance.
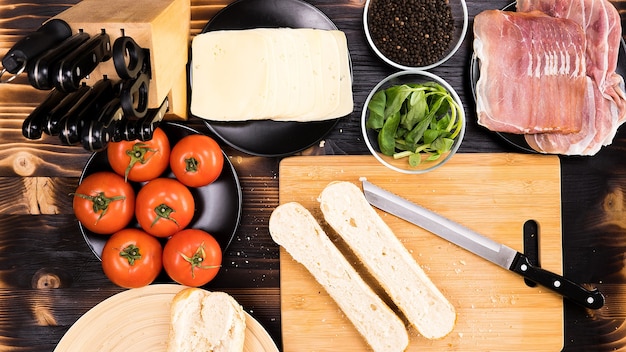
[532, 73]
[602, 25]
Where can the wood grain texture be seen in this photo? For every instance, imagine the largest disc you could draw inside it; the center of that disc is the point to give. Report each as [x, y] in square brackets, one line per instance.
[40, 245]
[495, 309]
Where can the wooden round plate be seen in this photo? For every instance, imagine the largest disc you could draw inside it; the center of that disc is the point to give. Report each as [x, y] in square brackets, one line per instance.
[138, 320]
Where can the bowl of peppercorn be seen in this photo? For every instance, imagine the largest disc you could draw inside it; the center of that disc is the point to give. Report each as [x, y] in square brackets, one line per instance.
[413, 121]
[415, 34]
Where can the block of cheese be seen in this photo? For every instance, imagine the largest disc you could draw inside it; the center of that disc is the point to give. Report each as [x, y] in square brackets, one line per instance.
[282, 74]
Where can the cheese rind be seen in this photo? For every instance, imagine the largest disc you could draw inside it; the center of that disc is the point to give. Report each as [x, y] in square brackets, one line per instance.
[278, 74]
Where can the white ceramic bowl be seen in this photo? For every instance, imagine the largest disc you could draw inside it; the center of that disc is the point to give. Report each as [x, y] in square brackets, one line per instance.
[459, 15]
[457, 132]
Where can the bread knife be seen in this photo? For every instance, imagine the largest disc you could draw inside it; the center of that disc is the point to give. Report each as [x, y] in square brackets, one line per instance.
[480, 245]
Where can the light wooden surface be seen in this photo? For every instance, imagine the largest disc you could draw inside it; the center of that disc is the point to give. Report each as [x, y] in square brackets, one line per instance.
[496, 311]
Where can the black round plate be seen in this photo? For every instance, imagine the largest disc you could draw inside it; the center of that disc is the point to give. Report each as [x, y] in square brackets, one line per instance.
[266, 137]
[518, 140]
[218, 205]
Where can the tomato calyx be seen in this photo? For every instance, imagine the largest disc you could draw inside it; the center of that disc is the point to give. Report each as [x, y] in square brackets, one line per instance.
[131, 253]
[100, 202]
[164, 211]
[191, 165]
[138, 155]
[197, 259]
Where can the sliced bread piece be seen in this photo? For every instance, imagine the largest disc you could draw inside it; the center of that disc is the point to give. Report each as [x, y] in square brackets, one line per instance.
[347, 211]
[293, 227]
[204, 321]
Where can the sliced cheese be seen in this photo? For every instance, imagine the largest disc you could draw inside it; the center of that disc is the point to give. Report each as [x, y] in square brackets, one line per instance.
[346, 105]
[251, 76]
[280, 74]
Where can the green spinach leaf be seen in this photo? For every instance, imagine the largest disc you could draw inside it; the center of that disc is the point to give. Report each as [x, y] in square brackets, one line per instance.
[419, 122]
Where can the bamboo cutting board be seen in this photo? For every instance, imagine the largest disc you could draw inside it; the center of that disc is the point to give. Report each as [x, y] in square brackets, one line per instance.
[494, 194]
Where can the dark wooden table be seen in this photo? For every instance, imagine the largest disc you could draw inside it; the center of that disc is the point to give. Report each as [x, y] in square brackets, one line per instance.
[49, 277]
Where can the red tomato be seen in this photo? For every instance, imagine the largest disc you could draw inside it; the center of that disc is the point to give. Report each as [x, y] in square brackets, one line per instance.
[196, 160]
[104, 203]
[132, 258]
[164, 206]
[192, 257]
[140, 161]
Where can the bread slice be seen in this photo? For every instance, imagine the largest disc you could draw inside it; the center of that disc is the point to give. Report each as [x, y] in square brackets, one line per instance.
[293, 227]
[347, 211]
[204, 321]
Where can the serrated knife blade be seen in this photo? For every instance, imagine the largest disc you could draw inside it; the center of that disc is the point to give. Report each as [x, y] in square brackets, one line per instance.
[497, 253]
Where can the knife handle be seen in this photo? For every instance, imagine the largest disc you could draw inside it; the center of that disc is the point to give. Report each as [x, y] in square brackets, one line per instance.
[97, 134]
[143, 129]
[42, 70]
[47, 36]
[55, 115]
[592, 299]
[82, 61]
[87, 109]
[33, 125]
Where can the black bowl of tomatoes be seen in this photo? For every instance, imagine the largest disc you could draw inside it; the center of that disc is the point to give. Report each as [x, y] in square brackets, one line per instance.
[171, 204]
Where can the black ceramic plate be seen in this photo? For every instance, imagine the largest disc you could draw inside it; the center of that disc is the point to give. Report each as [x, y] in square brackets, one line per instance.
[518, 140]
[218, 205]
[266, 137]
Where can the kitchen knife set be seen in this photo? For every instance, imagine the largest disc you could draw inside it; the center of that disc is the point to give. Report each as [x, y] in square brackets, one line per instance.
[58, 60]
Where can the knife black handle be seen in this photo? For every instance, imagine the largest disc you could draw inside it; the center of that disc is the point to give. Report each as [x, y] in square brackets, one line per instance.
[86, 110]
[55, 115]
[33, 125]
[97, 134]
[47, 36]
[592, 299]
[82, 61]
[42, 69]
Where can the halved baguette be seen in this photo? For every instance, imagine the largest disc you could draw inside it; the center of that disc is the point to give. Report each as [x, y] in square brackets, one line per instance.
[347, 211]
[205, 321]
[293, 227]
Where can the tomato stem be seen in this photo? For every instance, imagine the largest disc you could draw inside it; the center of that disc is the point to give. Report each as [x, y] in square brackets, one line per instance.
[100, 202]
[138, 155]
[197, 259]
[131, 253]
[191, 165]
[164, 211]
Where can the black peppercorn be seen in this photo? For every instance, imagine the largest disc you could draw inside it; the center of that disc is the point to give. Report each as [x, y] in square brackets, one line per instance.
[411, 33]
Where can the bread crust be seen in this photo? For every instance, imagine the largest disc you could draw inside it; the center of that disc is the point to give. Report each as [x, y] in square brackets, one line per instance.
[293, 227]
[347, 211]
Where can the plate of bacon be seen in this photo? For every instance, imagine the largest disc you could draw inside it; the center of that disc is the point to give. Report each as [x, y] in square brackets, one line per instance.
[548, 76]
